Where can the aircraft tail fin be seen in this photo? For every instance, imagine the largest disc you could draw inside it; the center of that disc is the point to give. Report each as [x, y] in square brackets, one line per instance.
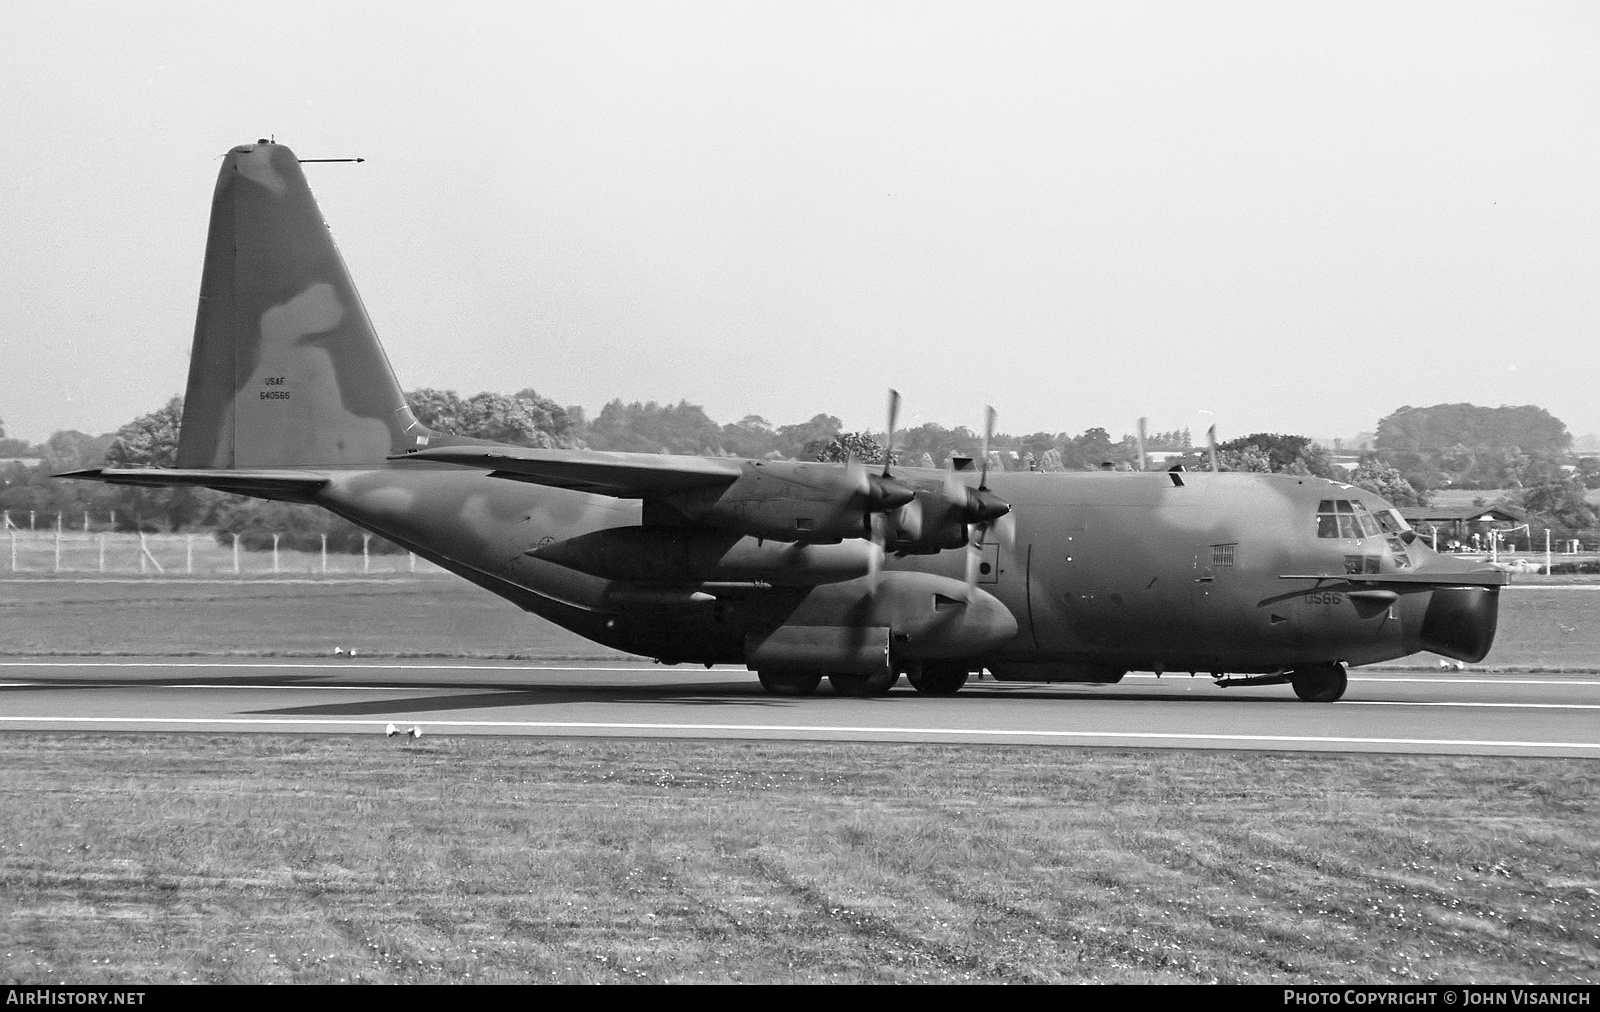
[286, 369]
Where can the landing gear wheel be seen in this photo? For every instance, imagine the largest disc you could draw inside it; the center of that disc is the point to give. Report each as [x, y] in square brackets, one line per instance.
[937, 679]
[790, 683]
[1321, 683]
[861, 686]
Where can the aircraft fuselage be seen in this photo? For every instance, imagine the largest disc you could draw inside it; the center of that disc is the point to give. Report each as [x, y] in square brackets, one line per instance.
[1106, 572]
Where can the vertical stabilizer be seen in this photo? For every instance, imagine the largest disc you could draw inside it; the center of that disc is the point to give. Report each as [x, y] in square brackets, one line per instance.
[286, 369]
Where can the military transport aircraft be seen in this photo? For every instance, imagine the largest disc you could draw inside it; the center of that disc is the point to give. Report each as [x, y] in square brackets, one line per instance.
[796, 569]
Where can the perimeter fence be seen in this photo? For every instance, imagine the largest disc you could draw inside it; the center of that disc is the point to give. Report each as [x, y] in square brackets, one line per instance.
[201, 554]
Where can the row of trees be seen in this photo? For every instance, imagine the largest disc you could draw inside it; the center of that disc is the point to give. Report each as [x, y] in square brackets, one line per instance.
[1414, 449]
[1467, 446]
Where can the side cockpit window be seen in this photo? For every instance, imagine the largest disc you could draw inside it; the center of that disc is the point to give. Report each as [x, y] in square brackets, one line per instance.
[1345, 518]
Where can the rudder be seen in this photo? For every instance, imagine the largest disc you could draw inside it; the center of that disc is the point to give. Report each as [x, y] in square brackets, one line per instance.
[286, 369]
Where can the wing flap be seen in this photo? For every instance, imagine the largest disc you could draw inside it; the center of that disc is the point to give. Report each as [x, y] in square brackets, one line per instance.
[621, 475]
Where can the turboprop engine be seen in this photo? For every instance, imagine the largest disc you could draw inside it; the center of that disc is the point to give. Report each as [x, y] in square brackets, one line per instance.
[677, 555]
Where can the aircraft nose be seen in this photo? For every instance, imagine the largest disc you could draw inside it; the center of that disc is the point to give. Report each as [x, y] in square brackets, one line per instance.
[1460, 622]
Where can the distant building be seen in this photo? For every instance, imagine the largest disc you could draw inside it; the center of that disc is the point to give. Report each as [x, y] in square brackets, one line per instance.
[1460, 523]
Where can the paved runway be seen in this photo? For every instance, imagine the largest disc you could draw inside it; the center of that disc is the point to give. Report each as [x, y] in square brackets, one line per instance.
[1387, 711]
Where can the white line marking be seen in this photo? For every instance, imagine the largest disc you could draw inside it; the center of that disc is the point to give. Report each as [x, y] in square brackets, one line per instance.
[1525, 706]
[1429, 680]
[811, 728]
[1474, 681]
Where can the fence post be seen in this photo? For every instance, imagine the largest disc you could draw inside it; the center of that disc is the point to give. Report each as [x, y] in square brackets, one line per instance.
[102, 553]
[57, 568]
[13, 551]
[236, 555]
[86, 521]
[324, 555]
[144, 553]
[275, 553]
[188, 554]
[413, 561]
[30, 520]
[1547, 551]
[366, 559]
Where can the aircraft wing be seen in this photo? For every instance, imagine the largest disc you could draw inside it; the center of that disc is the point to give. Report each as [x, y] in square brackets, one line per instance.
[1478, 578]
[622, 475]
[272, 483]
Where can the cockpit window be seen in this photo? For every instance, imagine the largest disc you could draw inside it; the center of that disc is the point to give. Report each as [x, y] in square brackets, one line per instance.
[1345, 518]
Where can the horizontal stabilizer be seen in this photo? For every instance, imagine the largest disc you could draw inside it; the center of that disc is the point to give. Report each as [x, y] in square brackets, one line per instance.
[268, 484]
[622, 475]
[1474, 578]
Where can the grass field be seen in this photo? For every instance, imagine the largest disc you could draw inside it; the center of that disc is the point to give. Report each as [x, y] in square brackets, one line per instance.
[323, 859]
[436, 615]
[173, 858]
[440, 615]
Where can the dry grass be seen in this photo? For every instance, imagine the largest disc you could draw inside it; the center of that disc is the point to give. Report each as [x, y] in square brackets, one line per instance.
[424, 616]
[193, 858]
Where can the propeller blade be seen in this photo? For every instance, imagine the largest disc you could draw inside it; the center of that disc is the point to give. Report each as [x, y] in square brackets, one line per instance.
[888, 432]
[988, 435]
[1005, 528]
[875, 560]
[974, 557]
[955, 490]
[1211, 442]
[909, 520]
[1141, 443]
[856, 475]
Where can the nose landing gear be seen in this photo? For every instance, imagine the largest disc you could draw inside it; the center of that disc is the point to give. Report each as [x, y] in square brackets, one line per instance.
[1319, 683]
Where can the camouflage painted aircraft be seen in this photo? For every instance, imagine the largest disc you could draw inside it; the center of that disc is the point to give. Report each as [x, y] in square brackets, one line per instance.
[795, 569]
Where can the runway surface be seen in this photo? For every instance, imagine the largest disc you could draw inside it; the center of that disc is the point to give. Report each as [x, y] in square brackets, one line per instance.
[1383, 711]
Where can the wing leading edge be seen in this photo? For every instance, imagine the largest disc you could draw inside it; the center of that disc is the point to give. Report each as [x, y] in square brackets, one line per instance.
[620, 475]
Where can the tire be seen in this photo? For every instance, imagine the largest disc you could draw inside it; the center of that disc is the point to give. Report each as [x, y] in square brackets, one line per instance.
[862, 686]
[1324, 683]
[790, 683]
[937, 679]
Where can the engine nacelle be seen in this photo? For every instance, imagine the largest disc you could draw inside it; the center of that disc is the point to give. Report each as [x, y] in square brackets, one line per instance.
[681, 556]
[786, 500]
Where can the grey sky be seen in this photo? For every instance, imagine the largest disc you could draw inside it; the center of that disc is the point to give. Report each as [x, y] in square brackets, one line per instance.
[1296, 216]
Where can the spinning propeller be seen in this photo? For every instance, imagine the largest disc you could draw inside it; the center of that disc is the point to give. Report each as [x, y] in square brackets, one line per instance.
[979, 507]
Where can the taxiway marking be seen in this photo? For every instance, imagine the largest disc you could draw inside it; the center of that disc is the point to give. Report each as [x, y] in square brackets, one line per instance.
[1283, 739]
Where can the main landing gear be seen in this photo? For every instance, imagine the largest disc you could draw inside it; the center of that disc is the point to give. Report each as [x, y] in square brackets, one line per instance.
[789, 683]
[876, 684]
[927, 679]
[937, 679]
[1319, 683]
